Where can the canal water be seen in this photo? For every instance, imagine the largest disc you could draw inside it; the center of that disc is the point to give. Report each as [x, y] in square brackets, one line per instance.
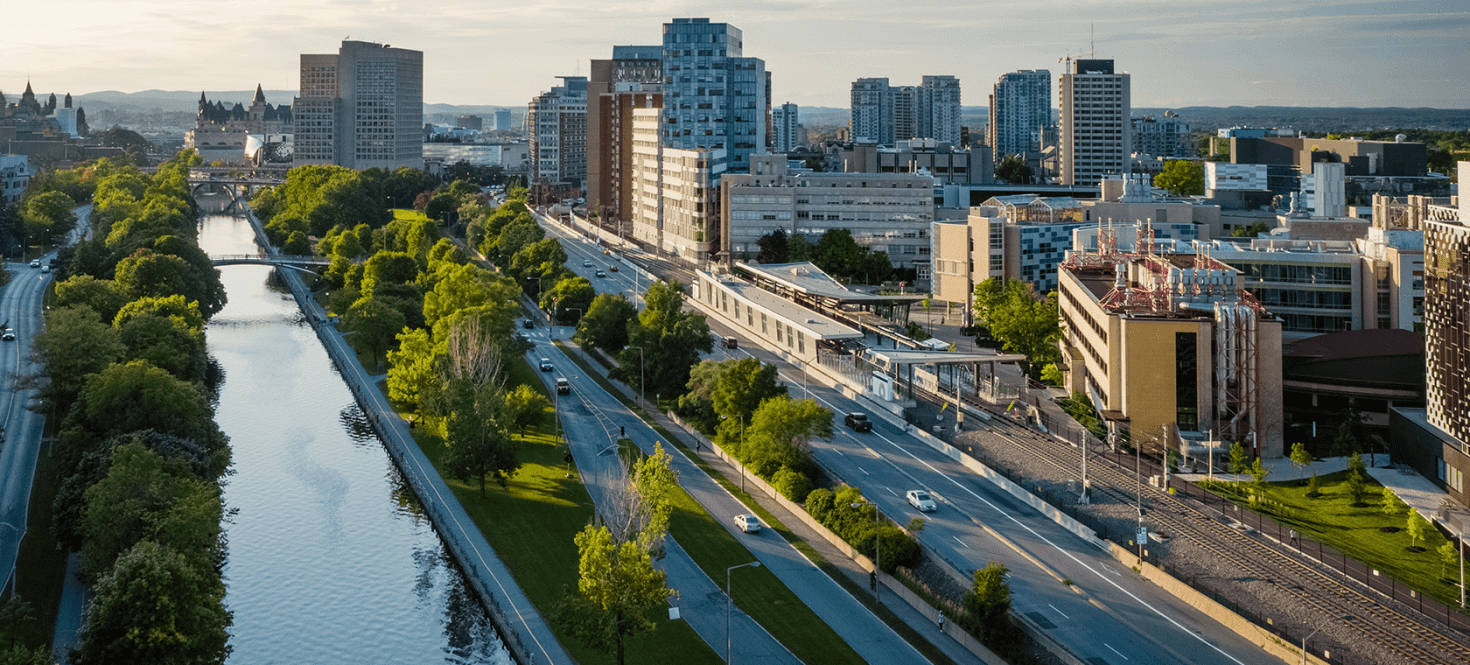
[331, 560]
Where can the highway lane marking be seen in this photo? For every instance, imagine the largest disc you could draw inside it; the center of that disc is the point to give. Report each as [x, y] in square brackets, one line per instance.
[957, 539]
[1054, 609]
[890, 491]
[1058, 548]
[1044, 539]
[1120, 653]
[865, 471]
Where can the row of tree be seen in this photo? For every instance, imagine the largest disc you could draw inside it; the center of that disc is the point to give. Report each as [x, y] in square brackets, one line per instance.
[141, 457]
[835, 252]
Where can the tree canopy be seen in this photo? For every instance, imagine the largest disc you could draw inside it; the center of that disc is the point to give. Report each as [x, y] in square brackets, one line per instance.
[1182, 177]
[1022, 323]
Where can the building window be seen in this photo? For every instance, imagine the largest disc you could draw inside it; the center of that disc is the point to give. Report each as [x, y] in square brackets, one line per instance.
[1186, 381]
[763, 324]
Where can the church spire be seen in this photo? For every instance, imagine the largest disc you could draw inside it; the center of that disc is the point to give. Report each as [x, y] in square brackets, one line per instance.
[259, 96]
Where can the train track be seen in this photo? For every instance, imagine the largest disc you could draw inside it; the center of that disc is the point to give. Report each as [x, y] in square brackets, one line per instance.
[1399, 633]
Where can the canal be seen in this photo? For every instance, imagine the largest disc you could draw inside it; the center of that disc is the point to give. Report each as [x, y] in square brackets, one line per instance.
[331, 560]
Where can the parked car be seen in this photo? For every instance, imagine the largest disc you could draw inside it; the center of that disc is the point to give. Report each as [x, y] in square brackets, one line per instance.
[732, 343]
[748, 523]
[858, 422]
[546, 364]
[921, 500]
[562, 387]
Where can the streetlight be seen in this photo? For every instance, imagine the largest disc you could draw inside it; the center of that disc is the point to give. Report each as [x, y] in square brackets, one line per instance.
[1462, 563]
[640, 374]
[742, 442]
[730, 602]
[578, 310]
[877, 544]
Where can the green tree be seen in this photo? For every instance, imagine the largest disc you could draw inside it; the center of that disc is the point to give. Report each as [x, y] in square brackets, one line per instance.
[104, 296]
[136, 396]
[1052, 375]
[569, 299]
[153, 606]
[46, 215]
[167, 344]
[388, 268]
[1014, 170]
[184, 313]
[19, 655]
[744, 386]
[696, 406]
[779, 433]
[458, 287]
[1259, 473]
[617, 585]
[773, 247]
[988, 605]
[1238, 465]
[1449, 556]
[524, 407]
[1182, 178]
[1356, 484]
[1417, 527]
[148, 497]
[1019, 321]
[1251, 231]
[148, 273]
[670, 338]
[605, 326]
[478, 442]
[1391, 504]
[375, 323]
[1300, 458]
[413, 372]
[74, 345]
[14, 612]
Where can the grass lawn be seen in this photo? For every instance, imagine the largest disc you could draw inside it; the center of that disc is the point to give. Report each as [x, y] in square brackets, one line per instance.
[40, 567]
[531, 524]
[1332, 519]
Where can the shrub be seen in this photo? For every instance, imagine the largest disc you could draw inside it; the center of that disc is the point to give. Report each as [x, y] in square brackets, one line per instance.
[818, 504]
[792, 484]
[1314, 487]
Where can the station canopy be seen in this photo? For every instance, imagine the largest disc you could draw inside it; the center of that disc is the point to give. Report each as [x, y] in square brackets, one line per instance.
[891, 358]
[805, 281]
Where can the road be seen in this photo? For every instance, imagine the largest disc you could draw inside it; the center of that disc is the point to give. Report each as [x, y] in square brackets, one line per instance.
[20, 306]
[857, 625]
[1108, 614]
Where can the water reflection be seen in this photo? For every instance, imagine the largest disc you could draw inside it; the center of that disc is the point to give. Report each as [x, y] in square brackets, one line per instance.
[331, 559]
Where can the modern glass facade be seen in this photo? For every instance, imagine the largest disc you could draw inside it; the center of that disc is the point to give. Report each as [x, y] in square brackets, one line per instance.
[1447, 326]
[713, 97]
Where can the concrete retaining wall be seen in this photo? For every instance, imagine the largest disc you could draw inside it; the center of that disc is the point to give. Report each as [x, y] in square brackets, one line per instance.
[1243, 627]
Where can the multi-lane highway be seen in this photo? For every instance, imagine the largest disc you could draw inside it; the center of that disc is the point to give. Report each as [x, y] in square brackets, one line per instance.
[1098, 610]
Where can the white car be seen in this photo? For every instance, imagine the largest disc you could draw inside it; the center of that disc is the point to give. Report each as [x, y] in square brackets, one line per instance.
[921, 500]
[748, 523]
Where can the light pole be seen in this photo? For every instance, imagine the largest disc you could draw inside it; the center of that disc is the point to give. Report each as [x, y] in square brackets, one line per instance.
[1462, 563]
[742, 442]
[1304, 644]
[730, 602]
[877, 544]
[578, 310]
[640, 374]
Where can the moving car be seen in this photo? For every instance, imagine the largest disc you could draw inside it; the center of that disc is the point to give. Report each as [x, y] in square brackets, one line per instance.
[546, 364]
[858, 422]
[528, 324]
[613, 267]
[45, 267]
[732, 343]
[562, 387]
[601, 274]
[8, 336]
[587, 263]
[921, 500]
[36, 263]
[748, 523]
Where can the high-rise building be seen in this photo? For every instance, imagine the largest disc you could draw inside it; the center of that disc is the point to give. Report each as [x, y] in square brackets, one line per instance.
[886, 114]
[502, 119]
[556, 122]
[1096, 134]
[1020, 113]
[1168, 136]
[361, 108]
[632, 78]
[714, 98]
[787, 125]
[938, 107]
[675, 192]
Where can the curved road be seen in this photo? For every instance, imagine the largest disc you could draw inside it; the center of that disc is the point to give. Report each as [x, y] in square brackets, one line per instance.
[20, 307]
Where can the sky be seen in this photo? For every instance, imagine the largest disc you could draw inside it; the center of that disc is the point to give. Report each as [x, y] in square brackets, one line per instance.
[1408, 53]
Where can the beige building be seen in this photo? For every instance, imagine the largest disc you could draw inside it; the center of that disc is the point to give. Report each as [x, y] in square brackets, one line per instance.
[1169, 346]
[675, 193]
[632, 78]
[361, 108]
[556, 123]
[886, 212]
[1096, 132]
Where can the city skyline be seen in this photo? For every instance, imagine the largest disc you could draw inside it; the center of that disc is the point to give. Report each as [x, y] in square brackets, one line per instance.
[1287, 53]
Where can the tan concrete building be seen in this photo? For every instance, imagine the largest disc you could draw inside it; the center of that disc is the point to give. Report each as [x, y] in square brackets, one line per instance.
[361, 108]
[1169, 344]
[632, 78]
[675, 193]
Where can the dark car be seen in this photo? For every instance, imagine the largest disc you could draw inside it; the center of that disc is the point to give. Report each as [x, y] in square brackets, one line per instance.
[732, 343]
[858, 422]
[613, 267]
[528, 324]
[563, 387]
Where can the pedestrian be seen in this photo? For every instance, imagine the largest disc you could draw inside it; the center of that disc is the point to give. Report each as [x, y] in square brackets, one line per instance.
[873, 580]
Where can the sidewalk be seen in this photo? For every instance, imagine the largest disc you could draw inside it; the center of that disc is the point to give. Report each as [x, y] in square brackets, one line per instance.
[1423, 496]
[840, 619]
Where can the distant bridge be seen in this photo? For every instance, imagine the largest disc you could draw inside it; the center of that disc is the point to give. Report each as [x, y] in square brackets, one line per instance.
[239, 189]
[256, 259]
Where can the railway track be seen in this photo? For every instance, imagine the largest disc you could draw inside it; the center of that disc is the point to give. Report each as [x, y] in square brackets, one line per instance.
[1399, 633]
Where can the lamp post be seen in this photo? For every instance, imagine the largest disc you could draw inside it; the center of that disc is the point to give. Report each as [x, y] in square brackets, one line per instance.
[1304, 644]
[578, 310]
[730, 602]
[742, 441]
[877, 544]
[1462, 563]
[640, 374]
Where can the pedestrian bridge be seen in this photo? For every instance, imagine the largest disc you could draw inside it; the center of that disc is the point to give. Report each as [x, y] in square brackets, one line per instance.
[256, 259]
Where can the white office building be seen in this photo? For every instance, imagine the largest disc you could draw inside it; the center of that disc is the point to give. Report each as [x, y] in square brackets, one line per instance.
[787, 123]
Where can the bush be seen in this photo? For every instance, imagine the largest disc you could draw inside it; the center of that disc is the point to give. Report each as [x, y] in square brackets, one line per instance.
[899, 549]
[792, 484]
[1314, 487]
[819, 504]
